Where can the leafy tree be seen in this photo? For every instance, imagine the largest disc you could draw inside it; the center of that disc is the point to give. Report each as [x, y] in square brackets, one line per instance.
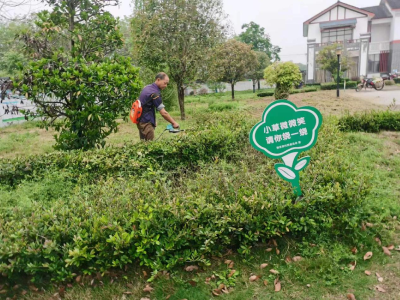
[255, 35]
[256, 74]
[302, 67]
[177, 36]
[327, 60]
[76, 77]
[232, 61]
[11, 50]
[284, 76]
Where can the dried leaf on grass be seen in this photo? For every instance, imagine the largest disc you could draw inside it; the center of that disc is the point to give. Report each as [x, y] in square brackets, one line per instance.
[128, 293]
[225, 291]
[354, 250]
[33, 288]
[274, 271]
[353, 265]
[288, 259]
[369, 225]
[297, 258]
[386, 251]
[130, 285]
[269, 249]
[230, 263]
[231, 273]
[191, 268]
[278, 251]
[368, 255]
[216, 292]
[263, 266]
[145, 298]
[254, 278]
[192, 283]
[378, 240]
[78, 278]
[277, 285]
[391, 247]
[148, 289]
[351, 297]
[265, 282]
[379, 277]
[380, 289]
[368, 273]
[3, 291]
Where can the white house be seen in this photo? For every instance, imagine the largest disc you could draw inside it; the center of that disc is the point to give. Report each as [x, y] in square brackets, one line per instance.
[371, 36]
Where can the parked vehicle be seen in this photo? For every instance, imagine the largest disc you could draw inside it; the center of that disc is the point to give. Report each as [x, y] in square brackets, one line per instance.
[377, 84]
[388, 76]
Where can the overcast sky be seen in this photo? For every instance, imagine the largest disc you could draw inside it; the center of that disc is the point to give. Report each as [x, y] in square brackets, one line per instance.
[282, 19]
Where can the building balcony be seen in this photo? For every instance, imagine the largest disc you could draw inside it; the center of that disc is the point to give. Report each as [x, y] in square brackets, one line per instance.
[378, 47]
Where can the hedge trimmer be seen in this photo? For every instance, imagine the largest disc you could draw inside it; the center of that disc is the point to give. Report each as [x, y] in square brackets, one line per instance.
[170, 129]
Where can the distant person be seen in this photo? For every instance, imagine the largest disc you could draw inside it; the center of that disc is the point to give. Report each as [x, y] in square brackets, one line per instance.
[151, 101]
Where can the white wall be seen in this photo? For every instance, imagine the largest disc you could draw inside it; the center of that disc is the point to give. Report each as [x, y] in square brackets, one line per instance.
[361, 27]
[341, 13]
[314, 32]
[334, 14]
[322, 18]
[380, 33]
[396, 27]
[352, 14]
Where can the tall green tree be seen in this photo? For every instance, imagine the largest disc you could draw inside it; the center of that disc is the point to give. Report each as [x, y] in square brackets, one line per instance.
[11, 49]
[76, 78]
[177, 36]
[257, 73]
[231, 61]
[255, 35]
[328, 61]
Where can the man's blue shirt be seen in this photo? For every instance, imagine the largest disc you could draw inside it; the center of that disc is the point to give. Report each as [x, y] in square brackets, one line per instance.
[150, 97]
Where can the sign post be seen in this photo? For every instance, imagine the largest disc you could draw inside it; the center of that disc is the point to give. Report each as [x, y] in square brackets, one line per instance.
[283, 133]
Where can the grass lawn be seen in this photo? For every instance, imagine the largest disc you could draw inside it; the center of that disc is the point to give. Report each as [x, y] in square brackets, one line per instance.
[322, 273]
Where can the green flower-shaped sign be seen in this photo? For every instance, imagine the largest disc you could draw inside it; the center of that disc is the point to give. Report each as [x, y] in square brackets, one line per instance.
[284, 132]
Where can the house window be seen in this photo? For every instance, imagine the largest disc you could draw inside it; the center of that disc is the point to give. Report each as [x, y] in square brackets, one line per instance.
[373, 63]
[337, 35]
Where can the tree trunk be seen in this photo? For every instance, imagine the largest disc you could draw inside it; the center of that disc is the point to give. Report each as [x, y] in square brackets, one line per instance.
[181, 98]
[259, 88]
[254, 87]
[233, 91]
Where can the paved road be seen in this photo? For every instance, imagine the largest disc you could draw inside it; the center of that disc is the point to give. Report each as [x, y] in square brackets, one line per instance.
[384, 97]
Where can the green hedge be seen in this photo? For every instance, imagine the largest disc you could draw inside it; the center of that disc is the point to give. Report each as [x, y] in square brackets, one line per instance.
[218, 107]
[333, 85]
[266, 94]
[373, 121]
[397, 80]
[305, 90]
[170, 214]
[208, 140]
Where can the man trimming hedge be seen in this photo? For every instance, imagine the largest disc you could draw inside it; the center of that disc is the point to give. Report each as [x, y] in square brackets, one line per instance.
[151, 100]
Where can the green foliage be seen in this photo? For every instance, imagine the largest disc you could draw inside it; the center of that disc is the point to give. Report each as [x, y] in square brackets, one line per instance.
[231, 61]
[197, 201]
[75, 78]
[87, 97]
[257, 72]
[327, 60]
[185, 36]
[284, 76]
[373, 121]
[333, 85]
[222, 106]
[305, 90]
[266, 94]
[396, 80]
[216, 86]
[255, 36]
[389, 82]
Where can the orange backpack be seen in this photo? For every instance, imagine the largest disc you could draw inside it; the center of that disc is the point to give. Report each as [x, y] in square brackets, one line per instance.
[136, 112]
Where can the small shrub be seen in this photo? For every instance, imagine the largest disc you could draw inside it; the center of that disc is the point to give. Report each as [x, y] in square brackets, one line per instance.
[373, 121]
[390, 82]
[266, 94]
[218, 107]
[396, 80]
[333, 85]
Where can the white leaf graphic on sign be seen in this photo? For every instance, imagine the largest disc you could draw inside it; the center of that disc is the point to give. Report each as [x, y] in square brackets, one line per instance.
[302, 163]
[287, 173]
